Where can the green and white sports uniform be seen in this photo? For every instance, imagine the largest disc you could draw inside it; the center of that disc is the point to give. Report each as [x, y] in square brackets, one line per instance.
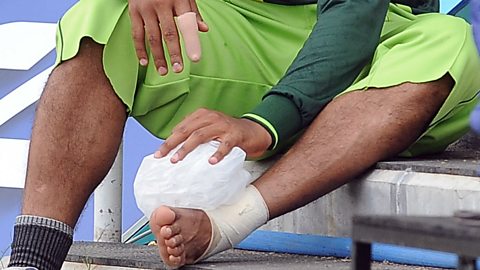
[253, 64]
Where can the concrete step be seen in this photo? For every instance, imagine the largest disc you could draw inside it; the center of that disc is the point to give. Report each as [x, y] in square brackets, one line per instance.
[433, 186]
[87, 255]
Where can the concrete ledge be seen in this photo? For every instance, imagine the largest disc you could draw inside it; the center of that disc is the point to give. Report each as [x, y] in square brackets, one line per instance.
[92, 255]
[435, 185]
[383, 192]
[146, 257]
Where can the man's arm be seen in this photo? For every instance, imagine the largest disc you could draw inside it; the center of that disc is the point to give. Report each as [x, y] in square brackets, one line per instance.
[341, 43]
[343, 40]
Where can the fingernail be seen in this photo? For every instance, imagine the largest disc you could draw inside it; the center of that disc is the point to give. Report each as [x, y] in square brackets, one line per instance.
[213, 160]
[195, 57]
[177, 67]
[168, 231]
[162, 70]
[174, 158]
[143, 62]
[157, 154]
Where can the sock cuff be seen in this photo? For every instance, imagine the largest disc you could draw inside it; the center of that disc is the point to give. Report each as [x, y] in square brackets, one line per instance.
[39, 242]
[44, 222]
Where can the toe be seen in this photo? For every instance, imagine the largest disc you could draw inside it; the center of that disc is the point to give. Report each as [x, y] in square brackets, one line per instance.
[177, 251]
[176, 260]
[169, 230]
[174, 241]
[162, 216]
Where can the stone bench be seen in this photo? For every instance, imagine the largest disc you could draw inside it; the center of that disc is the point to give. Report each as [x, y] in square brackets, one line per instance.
[432, 185]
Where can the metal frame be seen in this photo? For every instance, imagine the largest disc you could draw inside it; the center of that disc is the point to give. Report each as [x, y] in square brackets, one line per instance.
[442, 234]
[107, 220]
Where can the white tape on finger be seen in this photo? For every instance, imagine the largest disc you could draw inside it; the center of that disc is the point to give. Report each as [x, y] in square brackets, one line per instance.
[187, 24]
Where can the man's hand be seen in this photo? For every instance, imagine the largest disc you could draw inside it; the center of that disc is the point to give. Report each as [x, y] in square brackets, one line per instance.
[155, 20]
[206, 125]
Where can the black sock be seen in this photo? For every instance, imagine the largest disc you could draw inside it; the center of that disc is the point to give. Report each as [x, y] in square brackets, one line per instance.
[40, 242]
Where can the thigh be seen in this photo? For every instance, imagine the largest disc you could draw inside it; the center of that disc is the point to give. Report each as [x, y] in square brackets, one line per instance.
[241, 58]
[422, 49]
[241, 61]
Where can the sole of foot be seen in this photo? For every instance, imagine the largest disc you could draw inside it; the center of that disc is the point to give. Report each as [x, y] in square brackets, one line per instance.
[182, 234]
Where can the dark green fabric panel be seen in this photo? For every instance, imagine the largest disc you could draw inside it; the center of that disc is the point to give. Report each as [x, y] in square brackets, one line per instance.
[328, 63]
[418, 6]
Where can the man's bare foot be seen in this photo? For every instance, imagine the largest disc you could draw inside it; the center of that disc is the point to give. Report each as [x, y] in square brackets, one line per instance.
[182, 234]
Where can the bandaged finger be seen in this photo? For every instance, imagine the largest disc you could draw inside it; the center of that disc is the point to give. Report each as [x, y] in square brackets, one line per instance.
[187, 24]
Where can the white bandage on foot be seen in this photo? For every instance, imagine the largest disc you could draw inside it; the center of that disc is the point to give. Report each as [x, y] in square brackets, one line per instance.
[233, 223]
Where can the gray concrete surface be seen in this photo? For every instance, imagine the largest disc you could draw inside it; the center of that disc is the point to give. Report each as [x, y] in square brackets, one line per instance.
[454, 163]
[469, 142]
[143, 257]
[384, 192]
[432, 185]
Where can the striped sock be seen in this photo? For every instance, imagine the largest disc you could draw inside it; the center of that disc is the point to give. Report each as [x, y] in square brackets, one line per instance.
[40, 242]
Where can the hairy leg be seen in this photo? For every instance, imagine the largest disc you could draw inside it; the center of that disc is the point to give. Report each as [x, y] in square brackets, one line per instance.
[76, 135]
[351, 134]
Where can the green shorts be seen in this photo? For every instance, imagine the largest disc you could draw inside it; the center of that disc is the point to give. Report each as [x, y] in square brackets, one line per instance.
[248, 48]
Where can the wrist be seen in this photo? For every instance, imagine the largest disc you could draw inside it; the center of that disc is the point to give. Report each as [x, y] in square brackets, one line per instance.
[263, 137]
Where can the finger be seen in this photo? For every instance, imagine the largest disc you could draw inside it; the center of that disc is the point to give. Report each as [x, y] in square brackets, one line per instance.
[178, 136]
[187, 24]
[202, 25]
[197, 120]
[200, 118]
[226, 145]
[182, 6]
[155, 40]
[197, 137]
[170, 35]
[138, 35]
[169, 144]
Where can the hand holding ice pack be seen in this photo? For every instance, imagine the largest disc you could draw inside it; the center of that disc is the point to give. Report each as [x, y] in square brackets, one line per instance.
[192, 182]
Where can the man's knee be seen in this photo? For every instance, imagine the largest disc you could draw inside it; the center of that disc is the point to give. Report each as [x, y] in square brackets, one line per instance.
[87, 60]
[80, 82]
[441, 34]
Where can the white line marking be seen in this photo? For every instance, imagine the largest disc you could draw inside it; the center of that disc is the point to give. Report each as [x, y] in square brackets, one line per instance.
[23, 44]
[13, 163]
[22, 97]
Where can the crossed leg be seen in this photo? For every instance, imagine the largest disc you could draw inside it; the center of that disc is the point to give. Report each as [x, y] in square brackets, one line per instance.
[76, 135]
[350, 135]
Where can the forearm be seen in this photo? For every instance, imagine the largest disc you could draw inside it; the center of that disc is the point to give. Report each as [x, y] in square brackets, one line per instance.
[340, 45]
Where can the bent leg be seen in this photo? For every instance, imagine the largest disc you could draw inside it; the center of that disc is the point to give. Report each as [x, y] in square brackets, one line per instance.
[351, 134]
[76, 135]
[75, 138]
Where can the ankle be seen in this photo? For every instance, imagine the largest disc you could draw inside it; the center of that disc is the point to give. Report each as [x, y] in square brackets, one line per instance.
[40, 242]
[233, 223]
